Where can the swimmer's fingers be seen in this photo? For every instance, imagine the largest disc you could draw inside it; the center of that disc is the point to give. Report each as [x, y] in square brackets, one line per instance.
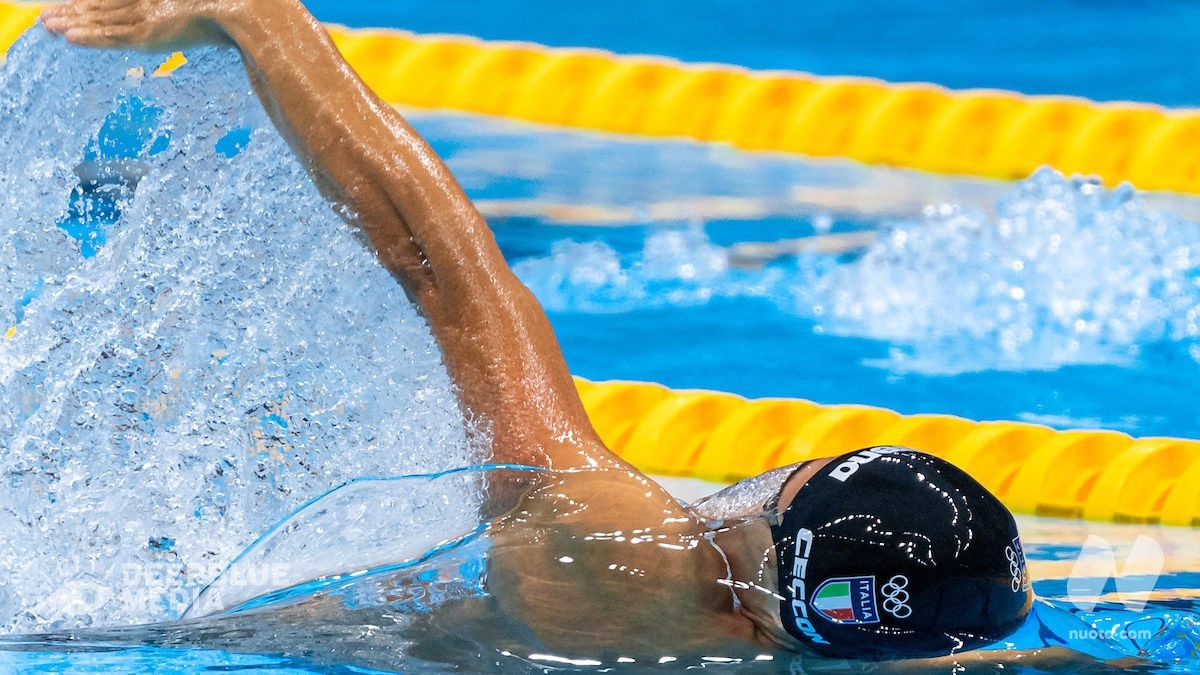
[118, 15]
[103, 36]
[128, 23]
[56, 17]
[72, 9]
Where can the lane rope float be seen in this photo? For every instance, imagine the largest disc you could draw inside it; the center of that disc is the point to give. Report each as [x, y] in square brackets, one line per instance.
[1094, 474]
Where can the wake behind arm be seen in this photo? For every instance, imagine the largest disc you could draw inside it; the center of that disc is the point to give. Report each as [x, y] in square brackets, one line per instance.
[497, 341]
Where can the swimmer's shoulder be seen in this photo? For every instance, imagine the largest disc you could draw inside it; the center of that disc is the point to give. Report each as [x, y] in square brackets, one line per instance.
[610, 497]
[606, 558]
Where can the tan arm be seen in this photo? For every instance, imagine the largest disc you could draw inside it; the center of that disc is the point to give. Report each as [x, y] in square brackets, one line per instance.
[1063, 659]
[497, 341]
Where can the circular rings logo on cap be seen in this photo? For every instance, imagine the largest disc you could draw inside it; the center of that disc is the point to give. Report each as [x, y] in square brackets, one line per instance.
[1016, 564]
[895, 597]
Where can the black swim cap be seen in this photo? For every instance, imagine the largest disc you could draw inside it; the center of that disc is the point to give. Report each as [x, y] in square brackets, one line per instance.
[889, 552]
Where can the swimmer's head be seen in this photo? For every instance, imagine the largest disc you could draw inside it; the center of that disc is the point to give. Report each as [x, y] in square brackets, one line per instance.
[892, 553]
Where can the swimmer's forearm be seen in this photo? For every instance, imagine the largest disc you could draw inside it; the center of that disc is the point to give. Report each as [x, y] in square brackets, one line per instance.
[1046, 658]
[496, 339]
[362, 150]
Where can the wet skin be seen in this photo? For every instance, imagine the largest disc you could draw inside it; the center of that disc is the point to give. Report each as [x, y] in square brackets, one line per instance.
[681, 586]
[497, 342]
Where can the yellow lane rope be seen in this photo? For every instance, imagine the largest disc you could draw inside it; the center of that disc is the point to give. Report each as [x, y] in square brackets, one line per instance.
[1092, 474]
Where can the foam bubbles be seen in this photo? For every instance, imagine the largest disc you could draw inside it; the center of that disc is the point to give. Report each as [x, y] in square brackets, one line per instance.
[1063, 272]
[677, 266]
[201, 344]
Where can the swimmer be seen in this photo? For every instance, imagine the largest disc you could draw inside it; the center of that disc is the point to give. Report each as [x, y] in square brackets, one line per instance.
[883, 553]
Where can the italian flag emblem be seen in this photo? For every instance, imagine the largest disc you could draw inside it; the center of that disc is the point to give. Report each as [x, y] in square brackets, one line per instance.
[847, 600]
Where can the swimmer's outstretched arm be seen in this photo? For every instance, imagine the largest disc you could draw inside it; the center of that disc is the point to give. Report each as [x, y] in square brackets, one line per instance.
[1045, 659]
[497, 341]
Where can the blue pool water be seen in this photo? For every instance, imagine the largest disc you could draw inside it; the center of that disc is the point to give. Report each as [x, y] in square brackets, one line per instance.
[1108, 50]
[974, 311]
[638, 244]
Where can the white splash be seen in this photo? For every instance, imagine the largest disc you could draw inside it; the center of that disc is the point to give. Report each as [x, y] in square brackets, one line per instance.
[228, 352]
[1063, 272]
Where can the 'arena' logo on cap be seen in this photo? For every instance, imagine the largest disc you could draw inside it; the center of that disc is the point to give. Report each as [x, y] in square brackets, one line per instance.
[847, 600]
[851, 463]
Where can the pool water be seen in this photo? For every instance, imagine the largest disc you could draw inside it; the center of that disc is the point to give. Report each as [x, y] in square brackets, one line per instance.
[1034, 301]
[1108, 50]
[389, 618]
[692, 258]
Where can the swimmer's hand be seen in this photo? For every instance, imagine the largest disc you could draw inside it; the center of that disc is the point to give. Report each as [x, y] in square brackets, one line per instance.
[147, 25]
